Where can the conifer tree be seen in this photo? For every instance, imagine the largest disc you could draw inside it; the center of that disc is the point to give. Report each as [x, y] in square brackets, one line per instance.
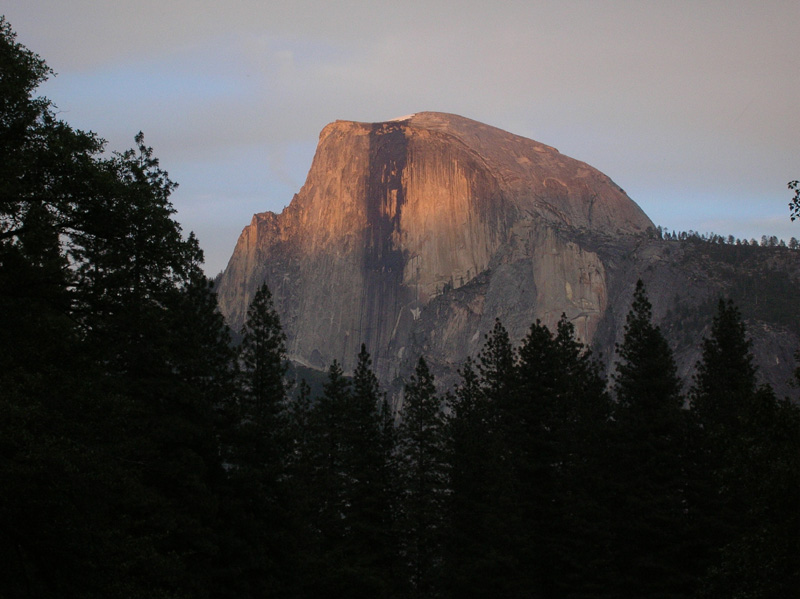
[369, 542]
[578, 425]
[423, 480]
[332, 572]
[470, 525]
[330, 455]
[496, 364]
[532, 480]
[554, 429]
[760, 556]
[130, 260]
[488, 412]
[586, 406]
[263, 357]
[725, 380]
[299, 487]
[491, 399]
[649, 447]
[646, 380]
[750, 443]
[256, 507]
[350, 487]
[722, 396]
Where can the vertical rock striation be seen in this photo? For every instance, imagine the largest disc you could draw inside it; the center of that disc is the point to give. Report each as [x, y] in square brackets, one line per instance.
[414, 234]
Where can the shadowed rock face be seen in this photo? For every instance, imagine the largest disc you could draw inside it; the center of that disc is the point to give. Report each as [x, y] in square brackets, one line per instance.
[397, 220]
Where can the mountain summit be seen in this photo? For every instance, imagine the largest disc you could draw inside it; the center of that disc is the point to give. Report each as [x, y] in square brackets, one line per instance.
[412, 235]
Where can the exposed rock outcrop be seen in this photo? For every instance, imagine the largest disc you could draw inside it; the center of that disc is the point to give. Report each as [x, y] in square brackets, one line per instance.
[393, 214]
[413, 235]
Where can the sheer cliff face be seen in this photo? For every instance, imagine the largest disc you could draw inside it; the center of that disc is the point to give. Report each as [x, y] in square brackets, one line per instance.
[396, 217]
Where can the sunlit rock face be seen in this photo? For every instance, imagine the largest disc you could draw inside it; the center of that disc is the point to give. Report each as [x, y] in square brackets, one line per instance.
[413, 235]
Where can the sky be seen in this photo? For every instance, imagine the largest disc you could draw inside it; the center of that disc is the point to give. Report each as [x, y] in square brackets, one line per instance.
[692, 107]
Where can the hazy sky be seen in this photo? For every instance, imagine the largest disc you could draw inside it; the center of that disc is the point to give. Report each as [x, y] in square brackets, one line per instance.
[692, 107]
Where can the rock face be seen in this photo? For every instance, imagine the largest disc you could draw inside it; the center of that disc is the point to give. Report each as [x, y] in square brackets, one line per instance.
[394, 214]
[413, 235]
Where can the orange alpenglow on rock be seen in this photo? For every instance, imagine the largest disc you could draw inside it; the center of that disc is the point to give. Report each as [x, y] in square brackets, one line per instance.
[413, 235]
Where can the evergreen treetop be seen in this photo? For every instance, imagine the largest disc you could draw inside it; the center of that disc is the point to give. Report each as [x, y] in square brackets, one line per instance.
[646, 379]
[725, 379]
[263, 355]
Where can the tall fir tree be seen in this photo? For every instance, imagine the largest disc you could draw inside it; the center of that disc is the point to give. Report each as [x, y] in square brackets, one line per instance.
[256, 505]
[496, 364]
[577, 423]
[530, 515]
[725, 380]
[330, 456]
[646, 380]
[263, 357]
[331, 568]
[423, 480]
[649, 451]
[748, 447]
[491, 398]
[554, 428]
[368, 542]
[470, 527]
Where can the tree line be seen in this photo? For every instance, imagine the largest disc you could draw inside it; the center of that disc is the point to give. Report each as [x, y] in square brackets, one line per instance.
[143, 454]
[717, 239]
[536, 477]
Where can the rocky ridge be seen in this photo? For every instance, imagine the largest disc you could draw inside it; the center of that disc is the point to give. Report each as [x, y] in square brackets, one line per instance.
[413, 235]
